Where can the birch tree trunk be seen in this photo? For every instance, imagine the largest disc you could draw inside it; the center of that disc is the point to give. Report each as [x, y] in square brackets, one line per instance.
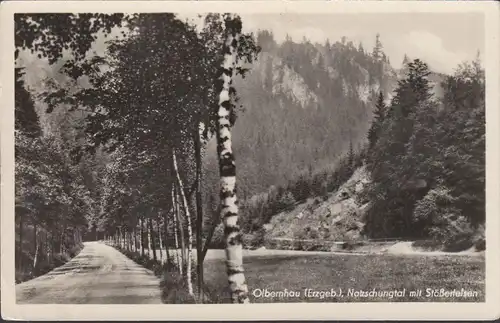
[148, 227]
[165, 239]
[189, 226]
[160, 243]
[152, 239]
[176, 229]
[141, 236]
[134, 233]
[180, 226]
[227, 168]
[37, 247]
[199, 215]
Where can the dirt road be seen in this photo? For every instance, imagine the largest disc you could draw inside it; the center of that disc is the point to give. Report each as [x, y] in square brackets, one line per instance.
[98, 275]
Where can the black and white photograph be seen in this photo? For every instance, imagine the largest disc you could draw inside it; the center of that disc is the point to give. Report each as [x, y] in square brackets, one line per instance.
[231, 156]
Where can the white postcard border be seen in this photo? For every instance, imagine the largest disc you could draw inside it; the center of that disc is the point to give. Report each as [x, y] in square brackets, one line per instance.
[316, 311]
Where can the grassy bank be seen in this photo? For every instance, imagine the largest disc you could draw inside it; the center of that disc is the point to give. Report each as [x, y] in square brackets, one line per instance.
[281, 273]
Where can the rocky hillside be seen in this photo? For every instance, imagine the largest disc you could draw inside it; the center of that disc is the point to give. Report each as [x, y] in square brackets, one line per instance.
[337, 216]
[304, 104]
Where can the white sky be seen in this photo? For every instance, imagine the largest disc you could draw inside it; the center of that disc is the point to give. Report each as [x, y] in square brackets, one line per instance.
[443, 40]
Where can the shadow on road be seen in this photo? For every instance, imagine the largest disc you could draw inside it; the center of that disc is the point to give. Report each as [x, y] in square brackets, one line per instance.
[75, 267]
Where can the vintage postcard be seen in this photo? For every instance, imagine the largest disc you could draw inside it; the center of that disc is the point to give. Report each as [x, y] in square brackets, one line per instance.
[170, 160]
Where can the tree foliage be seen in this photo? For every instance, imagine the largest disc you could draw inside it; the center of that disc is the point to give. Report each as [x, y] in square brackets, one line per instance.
[429, 152]
[378, 120]
[26, 118]
[145, 100]
[50, 35]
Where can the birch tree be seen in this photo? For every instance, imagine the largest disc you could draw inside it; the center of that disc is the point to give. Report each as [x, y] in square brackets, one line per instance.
[227, 167]
[154, 97]
[188, 224]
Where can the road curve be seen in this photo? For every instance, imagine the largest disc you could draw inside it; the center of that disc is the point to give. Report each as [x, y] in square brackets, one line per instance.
[99, 274]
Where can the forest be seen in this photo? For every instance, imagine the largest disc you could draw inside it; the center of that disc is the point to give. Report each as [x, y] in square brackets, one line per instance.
[175, 140]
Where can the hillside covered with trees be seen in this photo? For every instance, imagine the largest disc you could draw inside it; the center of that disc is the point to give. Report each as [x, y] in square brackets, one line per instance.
[303, 106]
[414, 180]
[314, 113]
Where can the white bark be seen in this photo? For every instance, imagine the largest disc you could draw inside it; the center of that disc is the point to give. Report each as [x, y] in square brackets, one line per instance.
[37, 249]
[141, 233]
[149, 241]
[160, 242]
[176, 234]
[229, 206]
[189, 226]
[134, 234]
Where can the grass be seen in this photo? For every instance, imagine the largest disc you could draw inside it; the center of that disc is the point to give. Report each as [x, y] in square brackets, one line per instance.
[324, 273]
[334, 272]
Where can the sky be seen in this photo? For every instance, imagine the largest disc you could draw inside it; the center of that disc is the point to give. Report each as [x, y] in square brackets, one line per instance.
[442, 40]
